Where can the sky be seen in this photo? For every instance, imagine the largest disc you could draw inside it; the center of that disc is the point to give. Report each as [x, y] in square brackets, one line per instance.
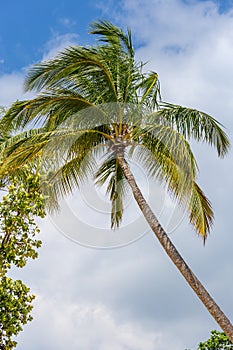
[130, 296]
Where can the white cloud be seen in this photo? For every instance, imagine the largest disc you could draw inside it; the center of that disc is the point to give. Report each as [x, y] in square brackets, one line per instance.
[58, 43]
[81, 326]
[11, 88]
[190, 45]
[132, 286]
[11, 84]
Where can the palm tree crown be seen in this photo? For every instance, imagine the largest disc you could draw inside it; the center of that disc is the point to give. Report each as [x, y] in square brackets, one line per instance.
[100, 96]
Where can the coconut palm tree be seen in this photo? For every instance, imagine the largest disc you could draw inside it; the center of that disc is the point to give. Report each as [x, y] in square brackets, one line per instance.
[95, 111]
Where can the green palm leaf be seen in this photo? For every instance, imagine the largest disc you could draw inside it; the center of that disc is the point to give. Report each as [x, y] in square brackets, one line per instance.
[195, 124]
[108, 33]
[201, 213]
[111, 173]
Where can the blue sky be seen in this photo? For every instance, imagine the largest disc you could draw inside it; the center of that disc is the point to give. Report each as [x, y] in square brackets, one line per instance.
[131, 298]
[26, 27]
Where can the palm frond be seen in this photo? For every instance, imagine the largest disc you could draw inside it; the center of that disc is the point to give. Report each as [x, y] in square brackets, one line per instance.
[111, 173]
[55, 145]
[47, 111]
[149, 88]
[63, 180]
[18, 149]
[166, 155]
[180, 185]
[14, 118]
[111, 34]
[84, 69]
[161, 166]
[195, 124]
[201, 213]
[165, 141]
[73, 161]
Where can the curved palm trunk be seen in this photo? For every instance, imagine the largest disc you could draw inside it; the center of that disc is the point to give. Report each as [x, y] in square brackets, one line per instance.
[172, 252]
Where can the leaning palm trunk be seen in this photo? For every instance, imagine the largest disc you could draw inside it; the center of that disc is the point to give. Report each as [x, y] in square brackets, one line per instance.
[172, 252]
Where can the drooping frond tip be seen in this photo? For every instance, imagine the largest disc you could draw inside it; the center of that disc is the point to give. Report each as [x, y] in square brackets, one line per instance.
[200, 212]
[197, 125]
[110, 173]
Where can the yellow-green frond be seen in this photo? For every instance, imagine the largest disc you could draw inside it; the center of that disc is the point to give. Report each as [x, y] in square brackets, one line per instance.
[195, 124]
[200, 211]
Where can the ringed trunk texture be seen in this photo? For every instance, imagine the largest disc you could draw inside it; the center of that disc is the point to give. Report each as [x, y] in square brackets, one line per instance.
[172, 252]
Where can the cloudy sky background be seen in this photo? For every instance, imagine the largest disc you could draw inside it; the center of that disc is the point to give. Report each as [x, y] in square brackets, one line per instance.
[132, 297]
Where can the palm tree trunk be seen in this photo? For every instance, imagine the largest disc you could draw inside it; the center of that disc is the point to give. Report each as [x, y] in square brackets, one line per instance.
[172, 252]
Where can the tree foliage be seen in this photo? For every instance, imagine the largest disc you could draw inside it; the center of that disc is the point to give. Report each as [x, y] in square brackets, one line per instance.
[18, 243]
[18, 208]
[217, 341]
[15, 306]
